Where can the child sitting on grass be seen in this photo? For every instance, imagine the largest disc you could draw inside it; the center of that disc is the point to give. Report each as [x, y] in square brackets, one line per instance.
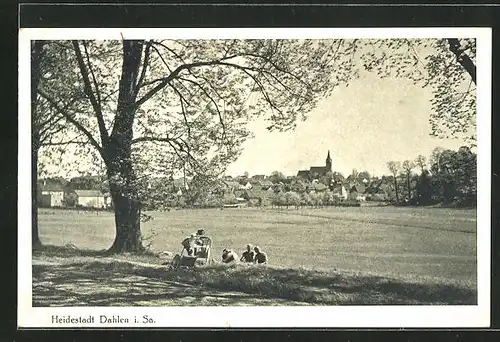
[229, 256]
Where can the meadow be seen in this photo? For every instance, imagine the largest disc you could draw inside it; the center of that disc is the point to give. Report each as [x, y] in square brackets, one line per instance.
[404, 243]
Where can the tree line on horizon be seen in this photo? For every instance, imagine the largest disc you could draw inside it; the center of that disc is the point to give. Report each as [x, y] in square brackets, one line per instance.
[449, 177]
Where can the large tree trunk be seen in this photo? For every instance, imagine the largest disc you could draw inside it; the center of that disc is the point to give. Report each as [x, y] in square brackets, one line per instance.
[420, 188]
[126, 204]
[409, 185]
[36, 59]
[128, 236]
[396, 188]
[118, 156]
[124, 193]
[35, 238]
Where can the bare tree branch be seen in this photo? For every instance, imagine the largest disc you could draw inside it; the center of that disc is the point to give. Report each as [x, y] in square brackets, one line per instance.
[462, 58]
[230, 47]
[209, 83]
[48, 125]
[50, 121]
[146, 129]
[88, 91]
[183, 109]
[43, 134]
[76, 140]
[151, 139]
[187, 66]
[72, 120]
[169, 78]
[147, 53]
[259, 84]
[213, 101]
[164, 62]
[176, 146]
[64, 143]
[96, 85]
[274, 65]
[110, 94]
[161, 57]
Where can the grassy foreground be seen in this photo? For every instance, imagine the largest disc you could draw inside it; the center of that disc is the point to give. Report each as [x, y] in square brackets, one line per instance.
[70, 268]
[392, 241]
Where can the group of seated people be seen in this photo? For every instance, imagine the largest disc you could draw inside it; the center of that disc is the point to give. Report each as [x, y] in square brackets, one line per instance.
[250, 255]
[193, 245]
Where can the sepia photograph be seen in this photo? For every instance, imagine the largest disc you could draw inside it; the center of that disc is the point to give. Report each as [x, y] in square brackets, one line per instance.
[254, 173]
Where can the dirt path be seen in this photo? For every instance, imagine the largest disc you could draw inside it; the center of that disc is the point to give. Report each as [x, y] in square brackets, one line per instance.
[66, 283]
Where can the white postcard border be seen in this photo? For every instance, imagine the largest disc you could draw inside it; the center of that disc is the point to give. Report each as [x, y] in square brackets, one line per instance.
[315, 316]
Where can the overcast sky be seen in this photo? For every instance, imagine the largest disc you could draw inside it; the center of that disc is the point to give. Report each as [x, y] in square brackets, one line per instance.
[363, 125]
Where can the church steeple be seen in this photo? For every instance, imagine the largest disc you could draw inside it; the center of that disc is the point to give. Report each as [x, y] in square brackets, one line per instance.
[328, 162]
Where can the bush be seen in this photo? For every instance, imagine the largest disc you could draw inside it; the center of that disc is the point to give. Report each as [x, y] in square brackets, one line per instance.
[349, 204]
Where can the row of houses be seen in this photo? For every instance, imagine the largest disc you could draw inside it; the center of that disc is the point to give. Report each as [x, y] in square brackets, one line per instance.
[52, 195]
[259, 193]
[255, 191]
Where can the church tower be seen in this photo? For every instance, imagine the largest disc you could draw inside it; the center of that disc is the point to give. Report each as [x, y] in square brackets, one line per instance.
[328, 162]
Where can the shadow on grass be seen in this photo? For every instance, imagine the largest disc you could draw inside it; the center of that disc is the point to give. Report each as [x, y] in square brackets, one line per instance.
[332, 288]
[50, 251]
[80, 285]
[118, 282]
[317, 287]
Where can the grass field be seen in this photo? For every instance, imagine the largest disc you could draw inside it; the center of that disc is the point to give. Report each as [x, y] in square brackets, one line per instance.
[405, 243]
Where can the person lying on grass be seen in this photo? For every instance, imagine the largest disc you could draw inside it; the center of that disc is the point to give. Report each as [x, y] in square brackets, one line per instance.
[260, 257]
[248, 255]
[229, 256]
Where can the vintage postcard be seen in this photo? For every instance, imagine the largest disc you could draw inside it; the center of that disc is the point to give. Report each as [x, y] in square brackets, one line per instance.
[254, 177]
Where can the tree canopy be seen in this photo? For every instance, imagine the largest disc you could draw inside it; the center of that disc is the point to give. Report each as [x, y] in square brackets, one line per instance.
[181, 106]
